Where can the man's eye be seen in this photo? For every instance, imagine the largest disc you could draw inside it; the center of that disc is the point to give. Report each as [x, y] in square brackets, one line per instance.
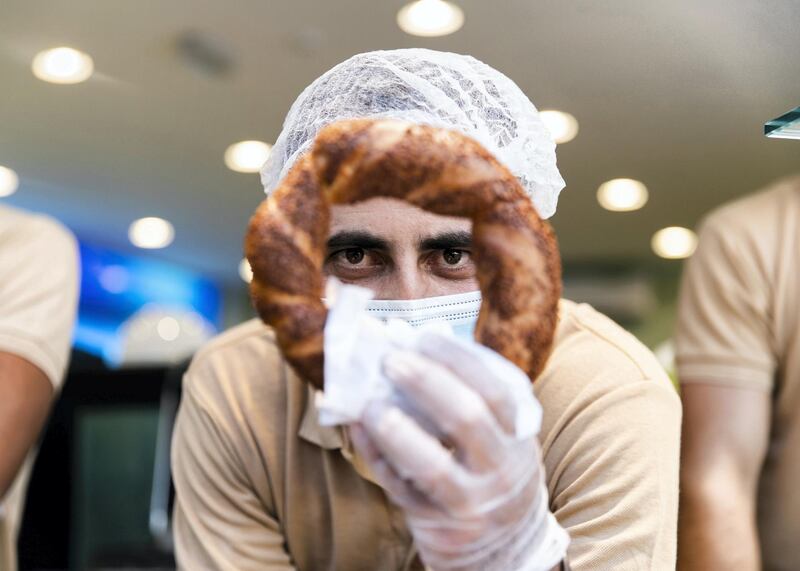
[452, 263]
[452, 257]
[354, 255]
[353, 263]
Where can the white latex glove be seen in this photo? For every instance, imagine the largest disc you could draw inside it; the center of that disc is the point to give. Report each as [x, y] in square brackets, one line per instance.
[479, 502]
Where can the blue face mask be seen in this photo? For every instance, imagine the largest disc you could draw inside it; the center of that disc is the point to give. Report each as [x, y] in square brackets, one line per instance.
[459, 310]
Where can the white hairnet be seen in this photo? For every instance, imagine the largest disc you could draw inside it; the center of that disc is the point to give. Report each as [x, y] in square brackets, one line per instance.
[435, 88]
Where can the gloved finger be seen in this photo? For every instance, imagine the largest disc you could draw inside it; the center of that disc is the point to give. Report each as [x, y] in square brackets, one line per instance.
[469, 363]
[457, 410]
[400, 491]
[416, 456]
[364, 445]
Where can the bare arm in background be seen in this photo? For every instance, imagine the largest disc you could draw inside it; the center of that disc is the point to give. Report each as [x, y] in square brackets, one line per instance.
[25, 396]
[725, 435]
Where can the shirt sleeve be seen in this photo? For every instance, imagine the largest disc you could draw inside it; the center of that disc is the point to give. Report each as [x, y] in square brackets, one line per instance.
[39, 295]
[723, 334]
[219, 521]
[613, 472]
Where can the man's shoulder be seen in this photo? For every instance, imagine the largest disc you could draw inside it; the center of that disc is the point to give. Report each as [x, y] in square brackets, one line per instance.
[33, 229]
[593, 357]
[240, 368]
[587, 339]
[748, 239]
[756, 212]
[600, 380]
[243, 340]
[31, 244]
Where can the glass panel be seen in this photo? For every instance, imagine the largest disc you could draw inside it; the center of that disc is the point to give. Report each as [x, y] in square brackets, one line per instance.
[784, 127]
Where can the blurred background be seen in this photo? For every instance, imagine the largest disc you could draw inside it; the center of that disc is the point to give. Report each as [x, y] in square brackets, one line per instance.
[141, 125]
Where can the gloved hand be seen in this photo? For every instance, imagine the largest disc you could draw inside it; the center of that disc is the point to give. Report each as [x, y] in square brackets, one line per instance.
[476, 499]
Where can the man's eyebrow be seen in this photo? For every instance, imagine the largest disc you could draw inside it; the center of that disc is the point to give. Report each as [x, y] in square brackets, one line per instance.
[447, 241]
[357, 239]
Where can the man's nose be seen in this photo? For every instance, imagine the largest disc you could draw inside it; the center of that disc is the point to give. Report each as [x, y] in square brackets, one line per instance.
[408, 281]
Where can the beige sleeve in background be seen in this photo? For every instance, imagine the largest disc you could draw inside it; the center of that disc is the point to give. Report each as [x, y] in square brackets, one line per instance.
[38, 291]
[220, 523]
[723, 333]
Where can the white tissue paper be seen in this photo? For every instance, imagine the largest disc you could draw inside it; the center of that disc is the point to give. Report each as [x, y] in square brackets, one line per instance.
[356, 344]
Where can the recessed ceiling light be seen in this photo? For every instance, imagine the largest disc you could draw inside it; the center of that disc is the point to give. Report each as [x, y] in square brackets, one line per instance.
[674, 242]
[62, 65]
[622, 195]
[429, 18]
[245, 271]
[9, 182]
[247, 156]
[562, 126]
[151, 233]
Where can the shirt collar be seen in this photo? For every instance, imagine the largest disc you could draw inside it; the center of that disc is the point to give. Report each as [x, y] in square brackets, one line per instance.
[327, 437]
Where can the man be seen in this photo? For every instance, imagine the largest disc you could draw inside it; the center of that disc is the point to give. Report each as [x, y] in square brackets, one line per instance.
[262, 484]
[738, 357]
[38, 299]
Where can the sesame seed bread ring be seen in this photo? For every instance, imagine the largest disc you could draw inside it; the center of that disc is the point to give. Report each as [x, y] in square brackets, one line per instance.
[441, 171]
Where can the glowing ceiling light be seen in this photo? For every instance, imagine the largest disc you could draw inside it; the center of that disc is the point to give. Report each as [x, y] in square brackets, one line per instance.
[562, 126]
[151, 233]
[429, 18]
[168, 328]
[158, 334]
[622, 195]
[247, 156]
[9, 182]
[62, 65]
[245, 271]
[674, 242]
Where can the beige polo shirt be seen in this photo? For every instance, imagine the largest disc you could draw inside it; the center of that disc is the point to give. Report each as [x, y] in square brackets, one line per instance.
[262, 486]
[38, 301]
[739, 325]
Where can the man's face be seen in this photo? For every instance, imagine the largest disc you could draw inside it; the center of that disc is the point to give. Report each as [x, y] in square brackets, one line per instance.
[400, 251]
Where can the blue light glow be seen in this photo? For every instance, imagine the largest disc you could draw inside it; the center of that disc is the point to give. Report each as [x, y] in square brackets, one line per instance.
[115, 286]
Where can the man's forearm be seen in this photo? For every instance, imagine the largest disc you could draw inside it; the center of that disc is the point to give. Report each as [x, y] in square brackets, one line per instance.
[725, 438]
[716, 535]
[25, 395]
